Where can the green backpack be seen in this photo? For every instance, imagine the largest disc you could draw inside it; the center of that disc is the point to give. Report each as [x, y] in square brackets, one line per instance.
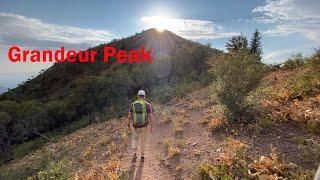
[140, 116]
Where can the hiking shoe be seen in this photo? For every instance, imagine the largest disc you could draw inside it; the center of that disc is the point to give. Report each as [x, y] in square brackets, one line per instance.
[142, 158]
[134, 157]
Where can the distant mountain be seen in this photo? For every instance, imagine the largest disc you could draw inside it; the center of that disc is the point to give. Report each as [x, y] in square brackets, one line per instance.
[12, 79]
[3, 89]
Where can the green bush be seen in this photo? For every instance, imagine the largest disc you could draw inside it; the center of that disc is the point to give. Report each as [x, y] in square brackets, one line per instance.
[162, 94]
[237, 74]
[314, 60]
[55, 170]
[294, 62]
[308, 83]
[206, 172]
[23, 171]
[20, 150]
[209, 172]
[165, 93]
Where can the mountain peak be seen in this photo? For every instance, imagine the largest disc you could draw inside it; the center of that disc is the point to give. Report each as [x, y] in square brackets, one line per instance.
[164, 44]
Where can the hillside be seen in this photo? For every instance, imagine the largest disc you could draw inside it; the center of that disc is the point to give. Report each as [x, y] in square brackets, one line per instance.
[190, 140]
[57, 81]
[88, 92]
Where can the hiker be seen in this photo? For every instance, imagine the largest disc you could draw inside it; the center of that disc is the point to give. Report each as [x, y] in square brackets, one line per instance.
[139, 120]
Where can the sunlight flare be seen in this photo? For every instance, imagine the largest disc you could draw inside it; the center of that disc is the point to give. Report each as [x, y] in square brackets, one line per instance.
[159, 22]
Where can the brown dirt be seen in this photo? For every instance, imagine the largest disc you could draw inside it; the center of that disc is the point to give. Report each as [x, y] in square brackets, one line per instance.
[198, 145]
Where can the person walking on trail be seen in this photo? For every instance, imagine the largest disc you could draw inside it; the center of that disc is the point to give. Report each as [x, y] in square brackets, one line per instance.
[139, 120]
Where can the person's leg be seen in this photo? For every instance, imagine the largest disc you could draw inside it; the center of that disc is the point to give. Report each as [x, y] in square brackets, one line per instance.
[143, 138]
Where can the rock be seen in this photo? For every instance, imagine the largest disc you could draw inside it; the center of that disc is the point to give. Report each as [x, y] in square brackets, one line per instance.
[309, 111]
[194, 144]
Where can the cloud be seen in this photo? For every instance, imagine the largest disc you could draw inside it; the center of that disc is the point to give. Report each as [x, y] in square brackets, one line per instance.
[30, 32]
[310, 31]
[289, 10]
[280, 54]
[188, 28]
[289, 17]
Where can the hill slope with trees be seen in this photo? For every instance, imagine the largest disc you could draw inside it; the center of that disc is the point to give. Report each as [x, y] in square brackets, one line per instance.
[69, 92]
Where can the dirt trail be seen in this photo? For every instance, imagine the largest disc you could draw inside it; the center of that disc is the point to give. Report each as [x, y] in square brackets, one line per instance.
[151, 169]
[195, 143]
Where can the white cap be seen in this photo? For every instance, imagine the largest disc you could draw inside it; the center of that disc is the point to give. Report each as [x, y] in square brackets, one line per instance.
[141, 93]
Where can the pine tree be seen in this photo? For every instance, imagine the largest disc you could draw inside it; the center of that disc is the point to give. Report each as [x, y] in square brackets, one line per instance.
[237, 43]
[255, 46]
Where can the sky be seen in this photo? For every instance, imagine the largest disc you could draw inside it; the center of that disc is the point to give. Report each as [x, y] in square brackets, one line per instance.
[288, 27]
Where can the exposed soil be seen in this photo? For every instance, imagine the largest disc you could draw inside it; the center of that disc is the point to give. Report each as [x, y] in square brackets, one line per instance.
[198, 145]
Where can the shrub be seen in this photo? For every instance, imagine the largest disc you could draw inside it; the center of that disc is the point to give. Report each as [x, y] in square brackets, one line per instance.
[209, 172]
[5, 119]
[306, 84]
[206, 172]
[313, 126]
[163, 94]
[314, 60]
[294, 62]
[215, 124]
[173, 152]
[55, 170]
[237, 74]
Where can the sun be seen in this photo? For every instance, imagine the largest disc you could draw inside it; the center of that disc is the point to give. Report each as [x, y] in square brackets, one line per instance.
[160, 23]
[160, 29]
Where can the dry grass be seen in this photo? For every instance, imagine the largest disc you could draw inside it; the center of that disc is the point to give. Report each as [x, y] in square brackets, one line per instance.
[269, 166]
[215, 124]
[110, 170]
[167, 143]
[171, 148]
[173, 152]
[85, 148]
[181, 144]
[205, 121]
[289, 95]
[178, 130]
[178, 168]
[235, 144]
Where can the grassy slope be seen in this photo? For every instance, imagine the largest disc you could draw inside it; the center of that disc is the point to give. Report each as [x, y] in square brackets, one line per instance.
[98, 143]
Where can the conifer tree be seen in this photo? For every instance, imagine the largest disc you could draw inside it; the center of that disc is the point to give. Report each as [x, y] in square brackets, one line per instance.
[237, 43]
[255, 45]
